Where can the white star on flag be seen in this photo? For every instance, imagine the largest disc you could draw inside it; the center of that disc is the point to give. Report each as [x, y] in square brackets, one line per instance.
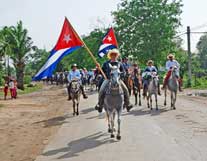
[109, 38]
[67, 38]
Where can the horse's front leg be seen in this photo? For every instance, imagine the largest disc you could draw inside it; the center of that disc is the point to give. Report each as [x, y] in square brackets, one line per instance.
[108, 120]
[112, 125]
[135, 95]
[140, 97]
[175, 100]
[151, 102]
[172, 99]
[118, 137]
[165, 102]
[156, 101]
[77, 105]
[148, 97]
[73, 107]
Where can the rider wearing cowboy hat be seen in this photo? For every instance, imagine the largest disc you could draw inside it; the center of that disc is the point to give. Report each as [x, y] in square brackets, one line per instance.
[169, 65]
[147, 72]
[113, 60]
[75, 74]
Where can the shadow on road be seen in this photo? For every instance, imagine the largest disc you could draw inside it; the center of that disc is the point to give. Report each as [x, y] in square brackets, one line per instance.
[146, 111]
[87, 110]
[55, 121]
[77, 146]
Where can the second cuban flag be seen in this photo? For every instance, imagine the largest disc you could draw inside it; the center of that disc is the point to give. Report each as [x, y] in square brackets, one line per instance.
[109, 42]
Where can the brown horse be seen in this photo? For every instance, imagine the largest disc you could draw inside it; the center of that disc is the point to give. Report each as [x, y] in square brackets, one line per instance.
[134, 83]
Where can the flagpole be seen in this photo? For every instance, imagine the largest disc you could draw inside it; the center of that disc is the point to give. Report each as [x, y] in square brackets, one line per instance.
[90, 53]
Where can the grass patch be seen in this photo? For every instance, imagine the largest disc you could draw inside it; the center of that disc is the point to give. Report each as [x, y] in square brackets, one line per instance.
[197, 83]
[30, 89]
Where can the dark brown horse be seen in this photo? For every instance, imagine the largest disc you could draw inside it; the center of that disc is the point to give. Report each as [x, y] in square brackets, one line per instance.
[75, 93]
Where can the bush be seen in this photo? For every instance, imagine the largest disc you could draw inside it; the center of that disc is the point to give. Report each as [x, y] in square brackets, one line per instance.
[27, 79]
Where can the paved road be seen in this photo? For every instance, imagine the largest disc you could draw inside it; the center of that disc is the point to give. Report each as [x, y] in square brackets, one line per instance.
[163, 135]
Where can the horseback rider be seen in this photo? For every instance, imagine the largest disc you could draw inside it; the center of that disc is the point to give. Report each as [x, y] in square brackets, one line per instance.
[170, 64]
[146, 75]
[75, 75]
[113, 60]
[125, 64]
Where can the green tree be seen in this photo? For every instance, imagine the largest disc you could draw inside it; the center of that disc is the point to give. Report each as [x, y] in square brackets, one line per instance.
[18, 46]
[36, 61]
[146, 28]
[202, 51]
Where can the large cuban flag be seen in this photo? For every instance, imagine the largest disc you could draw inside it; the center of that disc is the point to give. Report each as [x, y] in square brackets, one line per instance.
[109, 42]
[68, 42]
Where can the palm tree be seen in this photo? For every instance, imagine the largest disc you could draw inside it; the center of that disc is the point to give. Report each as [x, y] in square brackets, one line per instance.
[19, 47]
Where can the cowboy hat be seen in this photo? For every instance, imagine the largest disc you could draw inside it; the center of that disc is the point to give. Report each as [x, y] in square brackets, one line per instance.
[149, 61]
[113, 51]
[74, 65]
[170, 56]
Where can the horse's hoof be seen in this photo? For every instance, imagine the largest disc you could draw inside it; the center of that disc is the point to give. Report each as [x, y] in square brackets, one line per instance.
[174, 108]
[109, 130]
[77, 113]
[156, 109]
[73, 114]
[151, 109]
[140, 104]
[112, 135]
[118, 137]
[165, 104]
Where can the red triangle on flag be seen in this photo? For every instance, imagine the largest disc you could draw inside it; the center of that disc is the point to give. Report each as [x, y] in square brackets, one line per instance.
[68, 37]
[110, 38]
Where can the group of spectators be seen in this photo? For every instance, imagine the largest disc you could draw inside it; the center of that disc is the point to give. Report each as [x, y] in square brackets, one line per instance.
[10, 85]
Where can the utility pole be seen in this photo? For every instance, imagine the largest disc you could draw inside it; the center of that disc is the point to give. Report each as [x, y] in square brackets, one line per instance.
[189, 57]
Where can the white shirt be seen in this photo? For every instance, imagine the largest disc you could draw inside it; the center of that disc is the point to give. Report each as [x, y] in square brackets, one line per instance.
[11, 85]
[172, 63]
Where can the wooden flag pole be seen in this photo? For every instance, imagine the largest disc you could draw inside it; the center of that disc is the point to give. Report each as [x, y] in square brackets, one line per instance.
[90, 53]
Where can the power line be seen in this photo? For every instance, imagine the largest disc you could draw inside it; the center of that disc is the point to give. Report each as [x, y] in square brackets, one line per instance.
[176, 36]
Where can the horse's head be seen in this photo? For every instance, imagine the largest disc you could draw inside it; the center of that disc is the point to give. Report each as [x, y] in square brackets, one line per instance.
[115, 75]
[174, 72]
[75, 86]
[154, 78]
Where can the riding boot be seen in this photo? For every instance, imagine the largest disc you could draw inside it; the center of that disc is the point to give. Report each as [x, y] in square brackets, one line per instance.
[99, 106]
[83, 92]
[127, 103]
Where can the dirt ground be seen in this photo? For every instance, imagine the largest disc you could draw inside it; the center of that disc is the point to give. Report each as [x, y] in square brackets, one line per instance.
[29, 122]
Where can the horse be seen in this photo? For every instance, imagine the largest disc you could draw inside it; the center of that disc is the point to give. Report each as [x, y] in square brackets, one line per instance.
[152, 89]
[75, 93]
[172, 85]
[113, 101]
[92, 82]
[136, 87]
[98, 81]
[128, 82]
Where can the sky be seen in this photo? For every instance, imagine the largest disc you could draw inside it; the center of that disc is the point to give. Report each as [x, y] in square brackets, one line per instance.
[44, 18]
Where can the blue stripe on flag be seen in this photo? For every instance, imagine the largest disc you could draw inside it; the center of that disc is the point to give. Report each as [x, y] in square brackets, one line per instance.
[47, 71]
[105, 50]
